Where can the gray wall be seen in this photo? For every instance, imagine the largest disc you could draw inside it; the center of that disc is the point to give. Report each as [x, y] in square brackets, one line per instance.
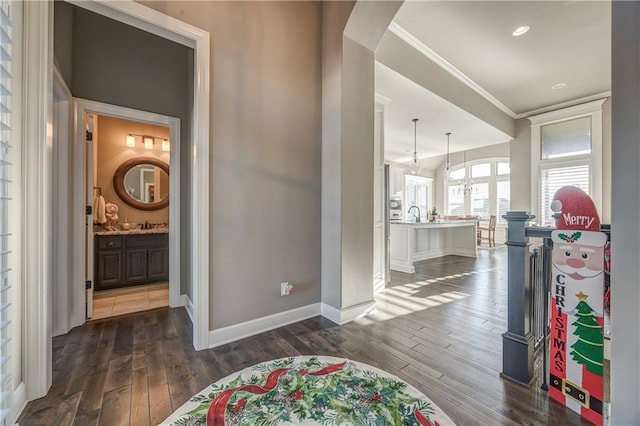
[357, 173]
[63, 39]
[117, 64]
[265, 153]
[520, 150]
[334, 18]
[625, 291]
[606, 162]
[350, 35]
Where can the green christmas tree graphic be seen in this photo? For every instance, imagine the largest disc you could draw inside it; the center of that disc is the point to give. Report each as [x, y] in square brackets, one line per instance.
[588, 349]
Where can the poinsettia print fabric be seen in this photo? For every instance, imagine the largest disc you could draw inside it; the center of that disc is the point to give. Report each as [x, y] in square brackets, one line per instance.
[309, 391]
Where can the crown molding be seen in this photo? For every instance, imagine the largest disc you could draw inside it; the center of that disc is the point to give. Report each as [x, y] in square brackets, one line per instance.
[382, 99]
[447, 66]
[444, 64]
[598, 96]
[568, 112]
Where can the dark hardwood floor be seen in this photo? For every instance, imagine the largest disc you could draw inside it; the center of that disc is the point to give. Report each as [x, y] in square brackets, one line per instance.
[439, 330]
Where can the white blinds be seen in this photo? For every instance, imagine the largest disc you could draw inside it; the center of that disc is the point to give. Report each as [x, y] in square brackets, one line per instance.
[5, 200]
[503, 198]
[554, 178]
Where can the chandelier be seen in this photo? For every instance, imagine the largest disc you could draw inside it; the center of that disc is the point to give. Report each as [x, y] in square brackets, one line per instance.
[465, 185]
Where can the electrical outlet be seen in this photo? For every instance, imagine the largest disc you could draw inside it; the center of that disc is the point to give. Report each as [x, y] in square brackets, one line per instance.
[285, 289]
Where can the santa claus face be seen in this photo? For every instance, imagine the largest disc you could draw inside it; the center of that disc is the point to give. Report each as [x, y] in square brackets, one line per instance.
[578, 261]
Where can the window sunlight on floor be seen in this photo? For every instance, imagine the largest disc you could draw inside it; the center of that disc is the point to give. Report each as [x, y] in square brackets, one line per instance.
[405, 299]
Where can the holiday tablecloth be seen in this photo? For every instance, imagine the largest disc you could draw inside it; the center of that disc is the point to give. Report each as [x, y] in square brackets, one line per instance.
[309, 391]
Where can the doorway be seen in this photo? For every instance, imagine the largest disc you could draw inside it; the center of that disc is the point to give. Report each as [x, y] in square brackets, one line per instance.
[112, 142]
[127, 233]
[37, 123]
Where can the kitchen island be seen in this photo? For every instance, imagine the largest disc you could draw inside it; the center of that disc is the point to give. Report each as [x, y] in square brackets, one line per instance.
[411, 242]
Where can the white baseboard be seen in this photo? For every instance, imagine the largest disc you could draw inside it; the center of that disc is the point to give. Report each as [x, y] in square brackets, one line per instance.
[465, 252]
[18, 402]
[235, 332]
[260, 325]
[188, 306]
[345, 315]
[402, 267]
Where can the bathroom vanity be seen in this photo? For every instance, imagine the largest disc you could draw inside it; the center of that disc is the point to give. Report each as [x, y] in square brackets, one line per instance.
[127, 258]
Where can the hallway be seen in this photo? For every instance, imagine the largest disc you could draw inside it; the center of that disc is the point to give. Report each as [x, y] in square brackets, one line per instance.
[439, 329]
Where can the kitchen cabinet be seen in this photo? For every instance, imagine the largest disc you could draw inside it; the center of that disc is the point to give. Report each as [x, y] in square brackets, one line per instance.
[396, 182]
[131, 259]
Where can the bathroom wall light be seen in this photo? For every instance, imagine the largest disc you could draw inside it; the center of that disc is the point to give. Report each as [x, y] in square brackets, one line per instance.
[131, 141]
[148, 142]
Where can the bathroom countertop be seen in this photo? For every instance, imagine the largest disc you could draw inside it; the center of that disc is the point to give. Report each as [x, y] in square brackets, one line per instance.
[134, 231]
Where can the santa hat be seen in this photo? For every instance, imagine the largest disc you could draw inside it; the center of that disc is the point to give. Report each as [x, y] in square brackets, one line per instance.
[578, 220]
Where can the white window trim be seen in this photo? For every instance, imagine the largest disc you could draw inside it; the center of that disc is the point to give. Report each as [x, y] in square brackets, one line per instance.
[591, 109]
[492, 180]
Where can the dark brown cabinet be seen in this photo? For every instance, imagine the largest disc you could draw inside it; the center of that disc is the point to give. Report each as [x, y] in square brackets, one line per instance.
[125, 260]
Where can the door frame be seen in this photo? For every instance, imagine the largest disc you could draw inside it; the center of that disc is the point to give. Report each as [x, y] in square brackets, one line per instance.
[81, 108]
[37, 164]
[61, 293]
[152, 21]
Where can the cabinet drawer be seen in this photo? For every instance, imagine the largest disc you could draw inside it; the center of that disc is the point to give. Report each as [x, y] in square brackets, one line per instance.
[147, 241]
[109, 242]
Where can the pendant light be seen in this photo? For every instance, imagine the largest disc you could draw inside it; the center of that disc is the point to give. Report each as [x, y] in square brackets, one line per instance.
[415, 168]
[447, 167]
[468, 183]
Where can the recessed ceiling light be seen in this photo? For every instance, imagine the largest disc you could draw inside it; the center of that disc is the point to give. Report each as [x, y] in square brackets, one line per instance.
[558, 86]
[520, 30]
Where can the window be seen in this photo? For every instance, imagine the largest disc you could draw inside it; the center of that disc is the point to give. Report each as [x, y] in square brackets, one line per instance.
[418, 193]
[504, 168]
[568, 151]
[554, 178]
[566, 138]
[7, 205]
[480, 203]
[481, 170]
[458, 173]
[485, 193]
[503, 198]
[456, 200]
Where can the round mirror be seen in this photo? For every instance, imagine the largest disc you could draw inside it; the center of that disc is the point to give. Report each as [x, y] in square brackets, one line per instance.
[143, 183]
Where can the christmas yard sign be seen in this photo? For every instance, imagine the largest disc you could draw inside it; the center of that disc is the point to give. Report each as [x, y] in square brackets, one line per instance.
[577, 340]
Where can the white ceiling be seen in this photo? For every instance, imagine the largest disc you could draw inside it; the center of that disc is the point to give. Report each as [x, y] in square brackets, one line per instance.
[436, 117]
[569, 42]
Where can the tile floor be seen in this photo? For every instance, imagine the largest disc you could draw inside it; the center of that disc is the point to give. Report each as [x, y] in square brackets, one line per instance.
[108, 303]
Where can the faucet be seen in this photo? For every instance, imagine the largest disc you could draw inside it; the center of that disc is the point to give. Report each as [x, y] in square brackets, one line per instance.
[417, 217]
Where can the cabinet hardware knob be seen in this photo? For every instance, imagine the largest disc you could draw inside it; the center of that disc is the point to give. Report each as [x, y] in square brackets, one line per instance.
[110, 244]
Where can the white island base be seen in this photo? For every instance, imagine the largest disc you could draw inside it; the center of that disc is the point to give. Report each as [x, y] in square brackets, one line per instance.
[411, 242]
